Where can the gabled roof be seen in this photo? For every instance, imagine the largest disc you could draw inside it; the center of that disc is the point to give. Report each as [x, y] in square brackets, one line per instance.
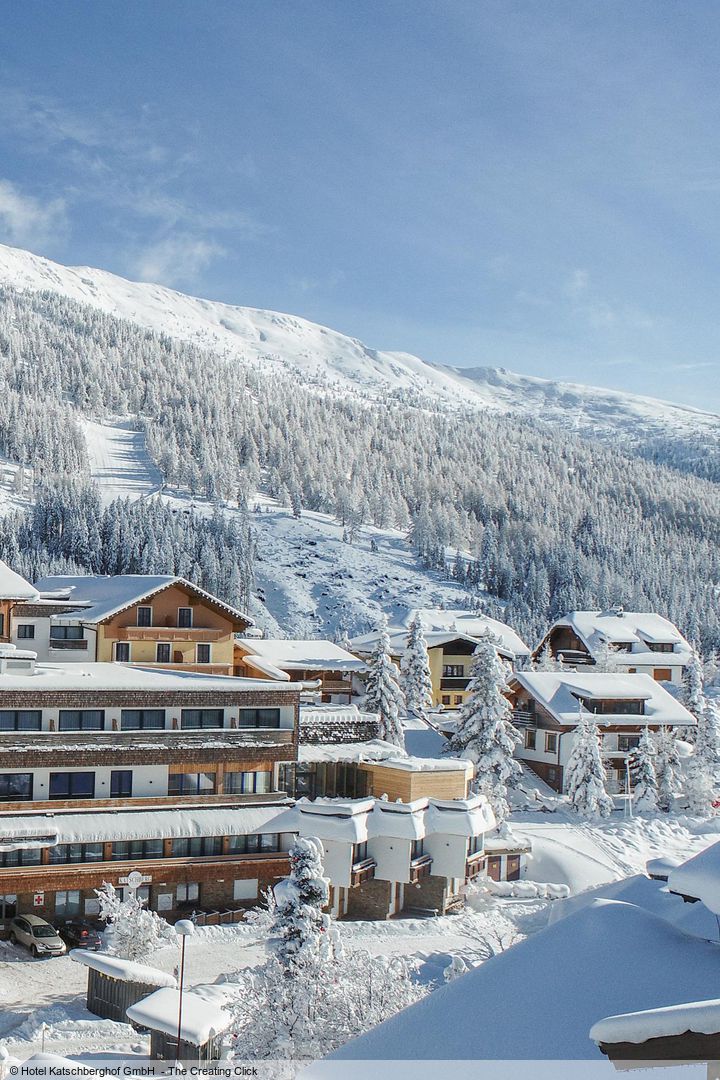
[560, 693]
[597, 628]
[100, 597]
[365, 643]
[274, 656]
[472, 623]
[14, 587]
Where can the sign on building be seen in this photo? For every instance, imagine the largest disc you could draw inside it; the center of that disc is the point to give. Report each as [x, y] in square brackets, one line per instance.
[39, 899]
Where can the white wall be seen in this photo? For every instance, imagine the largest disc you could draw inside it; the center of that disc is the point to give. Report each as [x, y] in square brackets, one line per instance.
[448, 854]
[392, 857]
[148, 780]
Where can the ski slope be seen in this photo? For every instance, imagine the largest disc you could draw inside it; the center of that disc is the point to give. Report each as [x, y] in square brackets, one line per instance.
[119, 462]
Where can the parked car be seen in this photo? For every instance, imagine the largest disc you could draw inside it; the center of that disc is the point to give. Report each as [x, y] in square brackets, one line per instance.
[80, 935]
[38, 936]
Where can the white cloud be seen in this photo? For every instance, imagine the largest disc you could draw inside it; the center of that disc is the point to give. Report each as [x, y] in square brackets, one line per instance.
[176, 259]
[25, 219]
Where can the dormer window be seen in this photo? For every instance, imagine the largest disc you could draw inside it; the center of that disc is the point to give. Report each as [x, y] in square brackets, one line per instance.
[660, 646]
[614, 706]
[144, 616]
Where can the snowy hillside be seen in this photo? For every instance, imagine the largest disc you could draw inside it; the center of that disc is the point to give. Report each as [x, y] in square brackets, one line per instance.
[324, 356]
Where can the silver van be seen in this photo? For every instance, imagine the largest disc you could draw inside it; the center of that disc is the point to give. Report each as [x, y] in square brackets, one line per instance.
[38, 936]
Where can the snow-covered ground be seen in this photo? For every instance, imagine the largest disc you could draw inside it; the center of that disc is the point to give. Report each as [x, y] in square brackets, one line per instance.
[16, 487]
[119, 461]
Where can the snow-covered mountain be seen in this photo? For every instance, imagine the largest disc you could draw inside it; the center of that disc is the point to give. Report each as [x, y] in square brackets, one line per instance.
[332, 359]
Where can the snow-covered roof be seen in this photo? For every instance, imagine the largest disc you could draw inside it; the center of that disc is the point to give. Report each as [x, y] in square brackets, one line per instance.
[371, 750]
[288, 654]
[404, 821]
[104, 676]
[699, 877]
[459, 817]
[598, 628]
[471, 623]
[420, 764]
[201, 1018]
[98, 826]
[637, 961]
[702, 1017]
[14, 587]
[102, 596]
[559, 692]
[127, 970]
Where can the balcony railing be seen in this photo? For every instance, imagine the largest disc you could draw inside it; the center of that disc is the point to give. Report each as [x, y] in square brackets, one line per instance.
[524, 718]
[420, 869]
[69, 644]
[188, 739]
[157, 802]
[363, 871]
[454, 684]
[169, 633]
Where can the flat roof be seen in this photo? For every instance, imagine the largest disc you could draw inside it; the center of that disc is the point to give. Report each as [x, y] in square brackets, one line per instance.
[114, 676]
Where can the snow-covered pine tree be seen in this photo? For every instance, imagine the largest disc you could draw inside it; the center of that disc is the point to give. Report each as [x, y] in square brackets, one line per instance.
[645, 784]
[415, 677]
[667, 767]
[692, 694]
[485, 733]
[608, 658]
[700, 788]
[299, 901]
[707, 734]
[383, 693]
[134, 933]
[546, 661]
[585, 776]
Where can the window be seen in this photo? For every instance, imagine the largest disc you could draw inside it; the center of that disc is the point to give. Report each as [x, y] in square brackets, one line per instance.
[458, 699]
[72, 785]
[122, 652]
[475, 844]
[191, 783]
[163, 652]
[67, 903]
[25, 631]
[245, 889]
[627, 742]
[248, 783]
[16, 787]
[66, 633]
[139, 719]
[550, 742]
[615, 706]
[660, 646]
[530, 738]
[196, 846]
[185, 617]
[144, 616]
[269, 718]
[453, 671]
[20, 720]
[130, 850]
[203, 653]
[360, 853]
[8, 906]
[445, 699]
[662, 674]
[24, 857]
[2, 624]
[417, 850]
[187, 894]
[76, 853]
[82, 720]
[201, 718]
[254, 843]
[121, 783]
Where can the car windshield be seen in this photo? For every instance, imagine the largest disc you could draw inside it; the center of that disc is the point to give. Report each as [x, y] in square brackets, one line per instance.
[44, 931]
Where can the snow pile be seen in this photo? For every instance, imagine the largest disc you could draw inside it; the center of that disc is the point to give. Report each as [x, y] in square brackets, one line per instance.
[699, 877]
[521, 890]
[201, 1019]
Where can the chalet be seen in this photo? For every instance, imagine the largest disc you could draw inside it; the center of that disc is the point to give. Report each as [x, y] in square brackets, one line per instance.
[450, 648]
[642, 642]
[547, 707]
[157, 621]
[107, 768]
[335, 669]
[14, 592]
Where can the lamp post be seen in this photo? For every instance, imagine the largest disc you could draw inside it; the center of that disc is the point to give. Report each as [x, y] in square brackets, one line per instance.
[183, 929]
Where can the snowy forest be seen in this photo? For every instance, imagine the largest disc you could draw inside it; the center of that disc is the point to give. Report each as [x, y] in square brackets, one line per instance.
[542, 521]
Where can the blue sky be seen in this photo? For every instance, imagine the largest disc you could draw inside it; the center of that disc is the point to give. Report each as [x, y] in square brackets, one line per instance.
[528, 185]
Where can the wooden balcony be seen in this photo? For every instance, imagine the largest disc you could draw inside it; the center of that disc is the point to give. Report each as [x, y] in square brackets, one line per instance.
[363, 871]
[524, 718]
[474, 865]
[458, 684]
[169, 633]
[420, 869]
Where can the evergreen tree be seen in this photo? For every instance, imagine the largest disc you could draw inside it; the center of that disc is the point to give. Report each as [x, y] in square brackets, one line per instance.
[383, 693]
[416, 681]
[667, 767]
[300, 898]
[485, 733]
[707, 735]
[585, 773]
[645, 783]
[700, 787]
[134, 933]
[692, 694]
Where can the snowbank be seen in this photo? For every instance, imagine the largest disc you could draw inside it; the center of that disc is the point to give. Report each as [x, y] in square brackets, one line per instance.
[699, 877]
[127, 970]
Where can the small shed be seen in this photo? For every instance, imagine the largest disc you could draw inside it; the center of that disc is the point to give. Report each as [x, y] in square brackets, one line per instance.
[204, 1021]
[675, 1033]
[114, 983]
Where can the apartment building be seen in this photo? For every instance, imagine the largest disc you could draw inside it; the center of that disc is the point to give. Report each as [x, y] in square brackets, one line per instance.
[337, 673]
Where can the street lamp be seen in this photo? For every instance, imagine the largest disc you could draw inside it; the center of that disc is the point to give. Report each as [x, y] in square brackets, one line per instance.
[183, 929]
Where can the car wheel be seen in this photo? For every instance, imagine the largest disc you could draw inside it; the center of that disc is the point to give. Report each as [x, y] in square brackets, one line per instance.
[34, 951]
[13, 939]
